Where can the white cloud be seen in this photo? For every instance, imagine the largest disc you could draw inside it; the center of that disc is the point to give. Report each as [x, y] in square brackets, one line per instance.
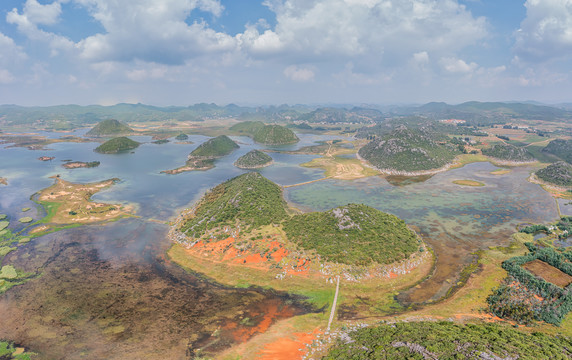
[153, 31]
[6, 77]
[454, 65]
[9, 51]
[378, 30]
[300, 74]
[35, 14]
[546, 32]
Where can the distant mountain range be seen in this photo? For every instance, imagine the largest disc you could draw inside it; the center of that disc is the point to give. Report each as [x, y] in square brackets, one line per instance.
[64, 117]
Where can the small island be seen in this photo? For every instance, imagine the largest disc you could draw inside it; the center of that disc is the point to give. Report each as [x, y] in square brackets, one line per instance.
[117, 145]
[46, 158]
[80, 164]
[109, 128]
[254, 159]
[204, 156]
[182, 137]
[468, 183]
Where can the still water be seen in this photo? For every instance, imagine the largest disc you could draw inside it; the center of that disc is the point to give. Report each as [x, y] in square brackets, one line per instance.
[109, 292]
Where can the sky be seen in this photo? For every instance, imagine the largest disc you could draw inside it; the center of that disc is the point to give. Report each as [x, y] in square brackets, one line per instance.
[254, 52]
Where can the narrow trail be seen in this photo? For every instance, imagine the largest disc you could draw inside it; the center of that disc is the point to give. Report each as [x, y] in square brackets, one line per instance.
[307, 182]
[333, 311]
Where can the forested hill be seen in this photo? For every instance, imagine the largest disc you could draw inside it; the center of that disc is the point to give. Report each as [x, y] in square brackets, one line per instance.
[409, 150]
[253, 159]
[508, 152]
[117, 145]
[110, 127]
[559, 173]
[353, 234]
[216, 147]
[561, 148]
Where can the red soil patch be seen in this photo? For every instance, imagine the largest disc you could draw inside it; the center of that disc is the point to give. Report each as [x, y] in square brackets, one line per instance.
[288, 348]
[392, 275]
[274, 311]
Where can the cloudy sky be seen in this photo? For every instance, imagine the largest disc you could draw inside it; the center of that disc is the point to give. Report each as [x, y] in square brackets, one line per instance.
[181, 52]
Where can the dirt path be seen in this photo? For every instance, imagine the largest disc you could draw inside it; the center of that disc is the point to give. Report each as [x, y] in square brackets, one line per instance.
[334, 305]
[307, 182]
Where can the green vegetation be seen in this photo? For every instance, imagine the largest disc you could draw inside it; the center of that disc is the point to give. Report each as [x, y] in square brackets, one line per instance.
[560, 148]
[117, 145]
[253, 159]
[9, 352]
[559, 173]
[26, 219]
[353, 234]
[409, 150]
[182, 137]
[109, 127]
[507, 152]
[248, 127]
[161, 141]
[275, 135]
[214, 148]
[447, 340]
[249, 201]
[524, 297]
[355, 115]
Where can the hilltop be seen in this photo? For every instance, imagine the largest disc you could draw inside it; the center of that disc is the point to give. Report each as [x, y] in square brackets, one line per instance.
[352, 234]
[214, 148]
[247, 202]
[559, 173]
[508, 152]
[275, 135]
[203, 157]
[253, 159]
[117, 145]
[409, 151]
[109, 127]
[248, 128]
[561, 148]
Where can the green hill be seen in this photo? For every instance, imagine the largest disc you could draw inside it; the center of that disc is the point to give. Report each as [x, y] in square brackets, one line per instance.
[447, 340]
[275, 135]
[214, 148]
[559, 173]
[249, 200]
[353, 234]
[409, 150]
[248, 127]
[253, 159]
[109, 127]
[508, 152]
[560, 148]
[117, 145]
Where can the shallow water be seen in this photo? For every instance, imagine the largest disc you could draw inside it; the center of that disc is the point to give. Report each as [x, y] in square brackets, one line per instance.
[455, 220]
[108, 291]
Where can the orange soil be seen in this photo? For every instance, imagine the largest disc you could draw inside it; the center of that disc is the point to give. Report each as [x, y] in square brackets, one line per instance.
[289, 347]
[270, 313]
[225, 251]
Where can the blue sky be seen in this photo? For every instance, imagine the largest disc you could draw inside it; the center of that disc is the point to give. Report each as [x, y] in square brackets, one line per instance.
[181, 52]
